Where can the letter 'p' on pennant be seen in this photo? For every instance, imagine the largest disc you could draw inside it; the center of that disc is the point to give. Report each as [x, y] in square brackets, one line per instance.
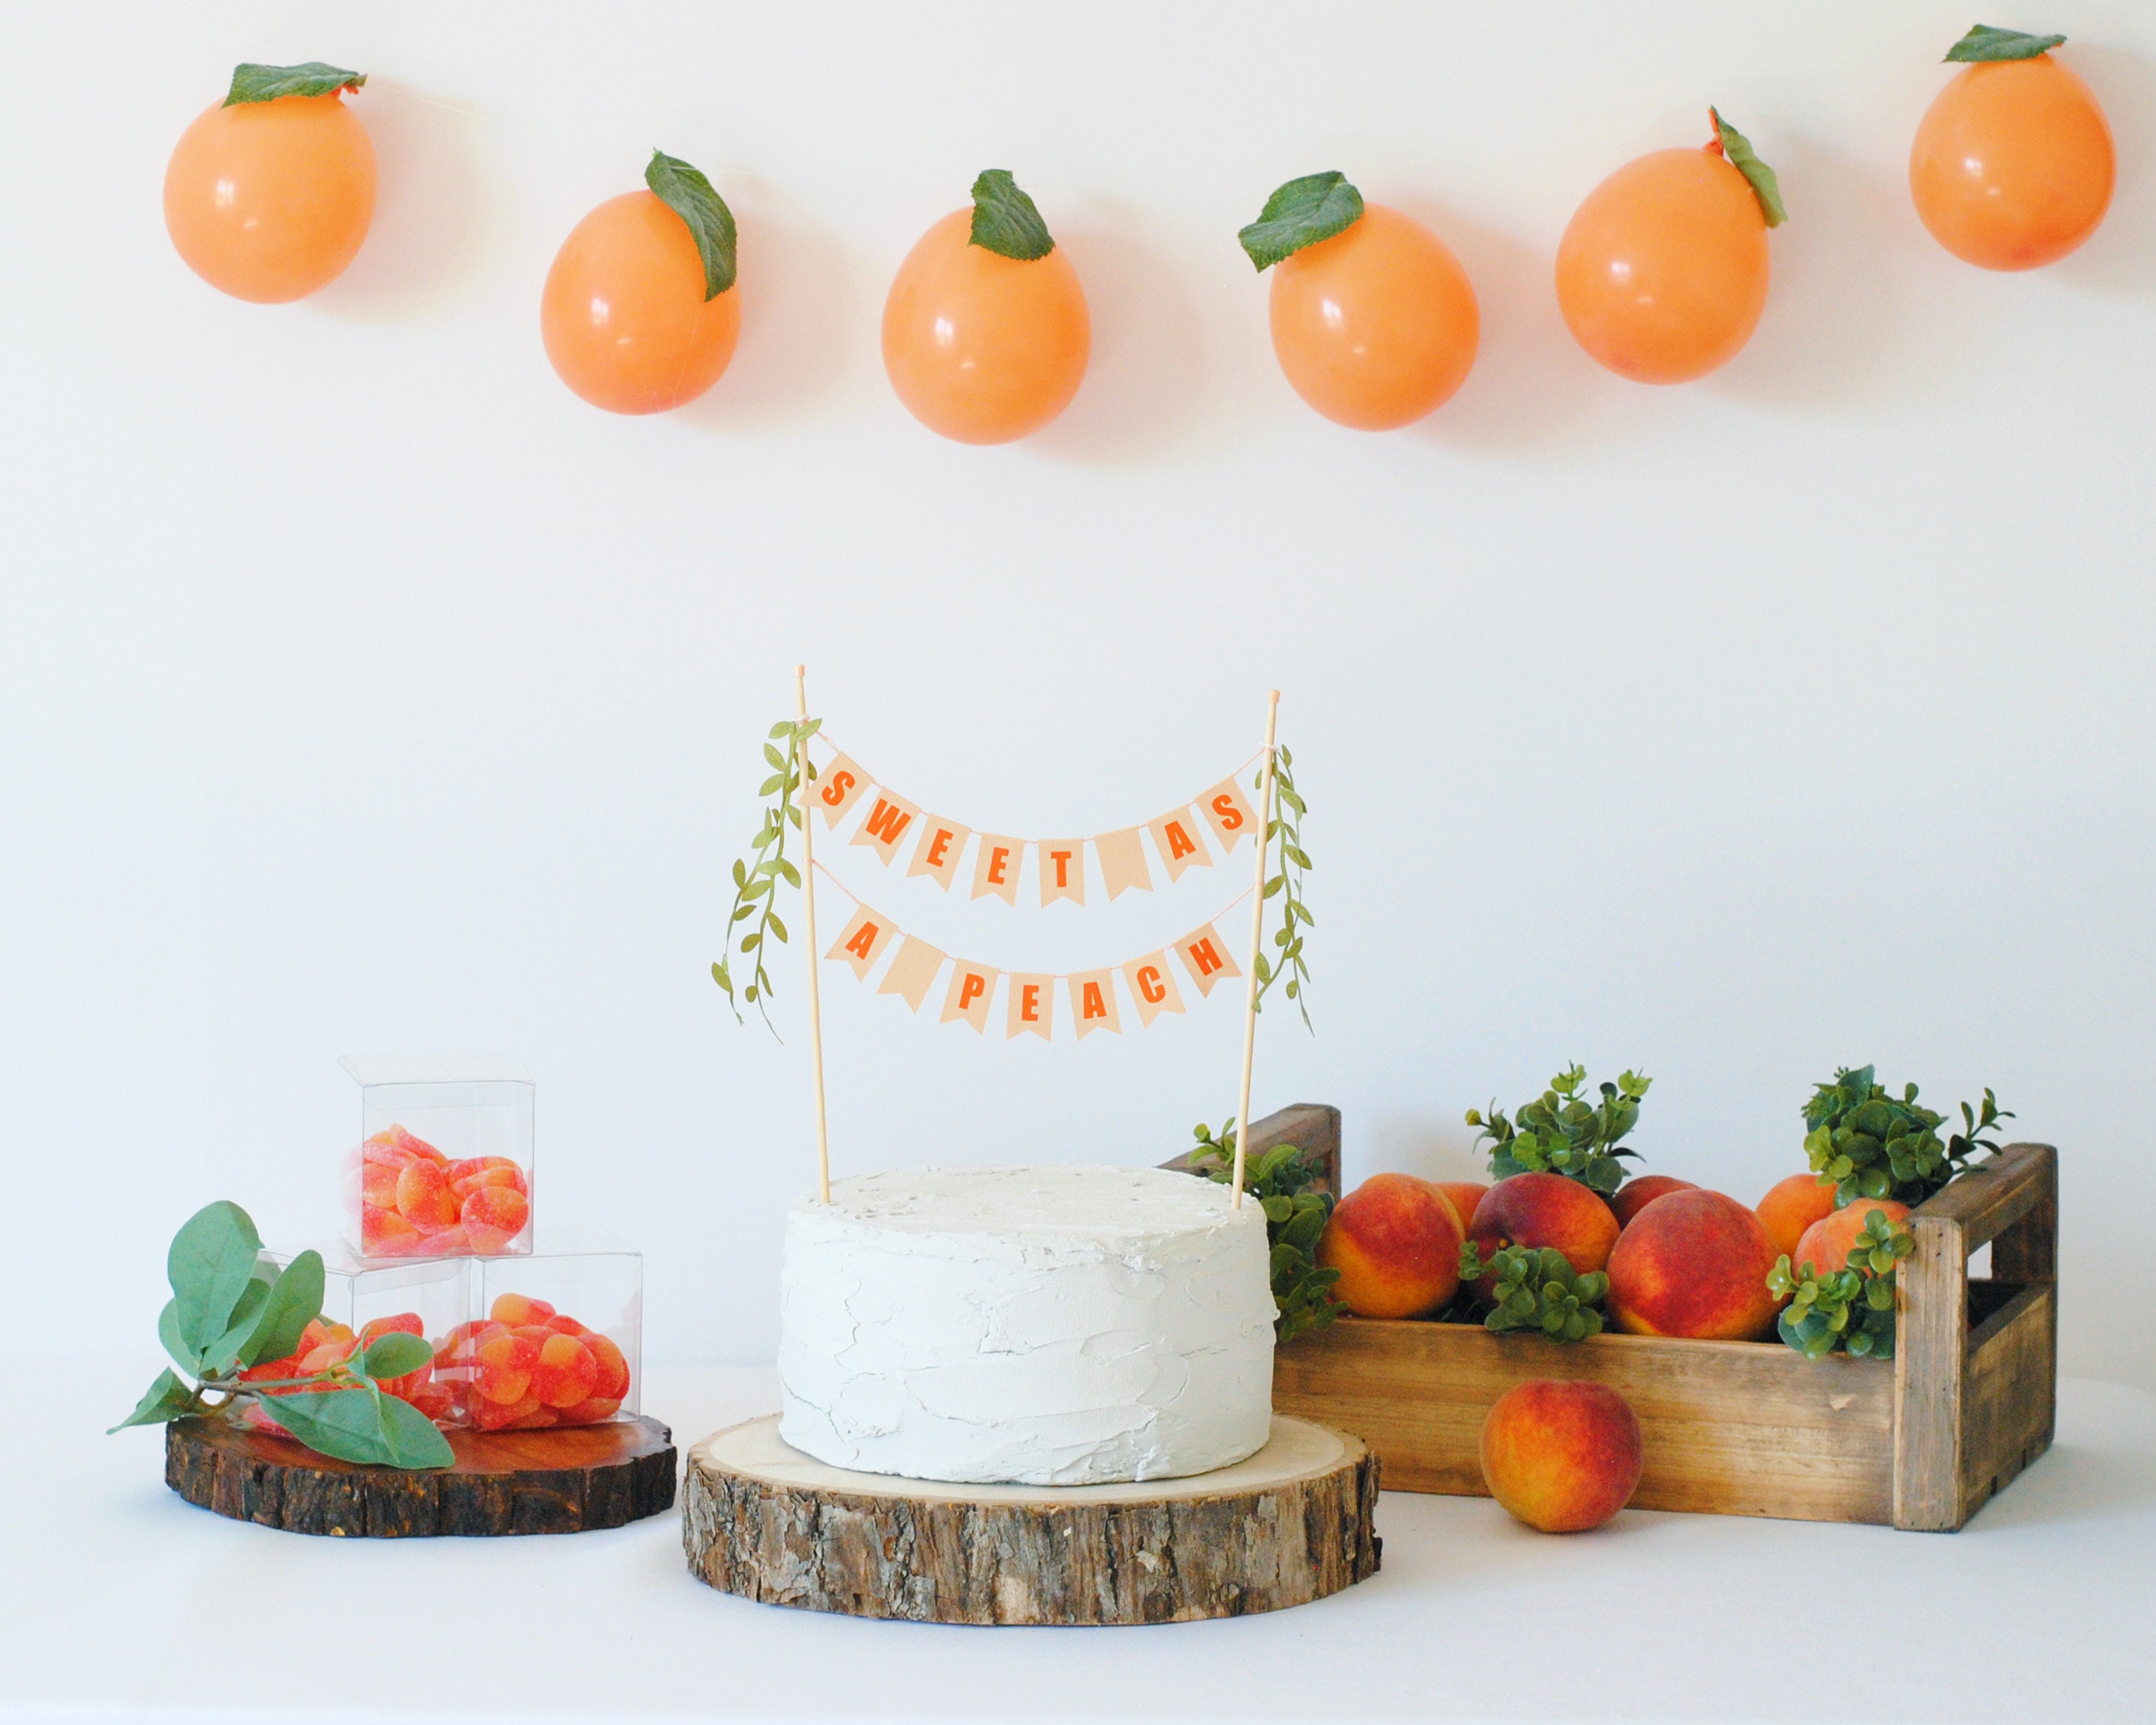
[1032, 1005]
[839, 787]
[861, 941]
[888, 822]
[1093, 1003]
[1153, 985]
[911, 972]
[971, 987]
[1228, 813]
[1206, 957]
[1175, 837]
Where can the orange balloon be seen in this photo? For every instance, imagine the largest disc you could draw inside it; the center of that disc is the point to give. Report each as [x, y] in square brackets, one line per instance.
[623, 313]
[270, 201]
[1662, 272]
[980, 347]
[1377, 325]
[2012, 166]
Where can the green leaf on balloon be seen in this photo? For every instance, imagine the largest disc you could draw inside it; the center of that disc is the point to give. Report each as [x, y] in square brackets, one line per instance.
[1987, 42]
[1299, 214]
[1006, 221]
[266, 84]
[691, 197]
[1764, 186]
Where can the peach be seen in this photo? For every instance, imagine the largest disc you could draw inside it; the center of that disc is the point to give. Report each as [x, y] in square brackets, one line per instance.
[1790, 1207]
[1636, 1195]
[1395, 1241]
[1539, 1210]
[1562, 1454]
[1693, 1264]
[1827, 1243]
[1464, 1195]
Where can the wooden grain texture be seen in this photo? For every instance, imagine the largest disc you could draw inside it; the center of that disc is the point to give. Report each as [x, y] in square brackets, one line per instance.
[1730, 1427]
[1314, 1127]
[1291, 1524]
[563, 1480]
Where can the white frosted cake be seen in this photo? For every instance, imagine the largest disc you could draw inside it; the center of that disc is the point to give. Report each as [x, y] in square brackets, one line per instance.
[1041, 1326]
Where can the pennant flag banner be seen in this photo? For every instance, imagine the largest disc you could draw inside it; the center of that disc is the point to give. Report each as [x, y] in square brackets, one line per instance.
[1031, 999]
[1194, 835]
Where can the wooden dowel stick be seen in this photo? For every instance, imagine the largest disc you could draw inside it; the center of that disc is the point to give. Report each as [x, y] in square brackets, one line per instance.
[808, 934]
[1257, 944]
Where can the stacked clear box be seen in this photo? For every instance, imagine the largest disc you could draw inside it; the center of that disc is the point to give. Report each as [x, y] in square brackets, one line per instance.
[444, 1166]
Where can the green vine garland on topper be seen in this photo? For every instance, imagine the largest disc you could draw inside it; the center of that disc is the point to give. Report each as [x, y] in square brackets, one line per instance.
[1285, 828]
[757, 878]
[235, 1313]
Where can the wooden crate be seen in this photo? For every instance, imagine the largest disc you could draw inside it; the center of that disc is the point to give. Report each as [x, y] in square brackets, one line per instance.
[1746, 1427]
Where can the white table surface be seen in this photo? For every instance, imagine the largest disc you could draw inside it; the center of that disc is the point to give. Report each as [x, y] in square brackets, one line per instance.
[119, 1601]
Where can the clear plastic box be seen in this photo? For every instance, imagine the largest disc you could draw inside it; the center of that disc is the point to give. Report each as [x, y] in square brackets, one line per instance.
[361, 1300]
[445, 1165]
[586, 1288]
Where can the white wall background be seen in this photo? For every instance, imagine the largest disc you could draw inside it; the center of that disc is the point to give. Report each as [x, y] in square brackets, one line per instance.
[363, 690]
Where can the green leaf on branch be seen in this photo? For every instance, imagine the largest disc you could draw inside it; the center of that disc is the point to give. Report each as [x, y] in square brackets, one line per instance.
[691, 197]
[223, 1353]
[1539, 1290]
[1987, 42]
[395, 1355]
[347, 1424]
[266, 84]
[1873, 1145]
[1560, 1133]
[295, 1301]
[1284, 1181]
[210, 1265]
[754, 879]
[1006, 221]
[1285, 829]
[187, 1359]
[167, 1398]
[1300, 213]
[409, 1438]
[1737, 149]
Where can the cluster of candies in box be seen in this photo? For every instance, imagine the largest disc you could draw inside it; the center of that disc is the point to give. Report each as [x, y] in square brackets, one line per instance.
[440, 1243]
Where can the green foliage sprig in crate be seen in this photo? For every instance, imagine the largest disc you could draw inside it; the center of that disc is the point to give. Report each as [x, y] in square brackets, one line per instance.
[1851, 1308]
[1560, 1133]
[233, 1308]
[1538, 1290]
[756, 877]
[1873, 1145]
[1284, 1182]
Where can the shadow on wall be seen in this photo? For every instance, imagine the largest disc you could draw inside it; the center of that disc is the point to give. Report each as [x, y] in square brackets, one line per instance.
[430, 215]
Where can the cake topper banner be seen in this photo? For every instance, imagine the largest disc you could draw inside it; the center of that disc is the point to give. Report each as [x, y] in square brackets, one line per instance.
[894, 827]
[1029, 998]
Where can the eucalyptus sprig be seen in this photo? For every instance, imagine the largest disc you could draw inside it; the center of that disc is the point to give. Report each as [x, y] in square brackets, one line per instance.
[756, 877]
[1281, 1180]
[1538, 1290]
[1851, 1308]
[233, 1308]
[1560, 1133]
[1285, 829]
[1873, 1145]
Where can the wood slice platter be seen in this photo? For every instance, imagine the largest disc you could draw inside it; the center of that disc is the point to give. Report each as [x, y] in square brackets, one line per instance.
[564, 1481]
[1290, 1524]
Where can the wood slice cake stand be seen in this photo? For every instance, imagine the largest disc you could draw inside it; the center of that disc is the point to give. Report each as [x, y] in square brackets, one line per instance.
[563, 1480]
[1290, 1524]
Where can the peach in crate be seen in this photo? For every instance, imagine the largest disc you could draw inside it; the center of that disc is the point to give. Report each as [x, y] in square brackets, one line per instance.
[445, 1164]
[555, 1337]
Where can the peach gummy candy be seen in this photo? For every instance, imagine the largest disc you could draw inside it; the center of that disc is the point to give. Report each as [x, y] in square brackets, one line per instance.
[566, 1372]
[494, 1215]
[424, 1198]
[612, 1380]
[468, 1176]
[505, 1365]
[520, 1309]
[591, 1412]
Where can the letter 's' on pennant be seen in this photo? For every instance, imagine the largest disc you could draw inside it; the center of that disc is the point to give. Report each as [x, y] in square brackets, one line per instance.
[861, 941]
[995, 867]
[1093, 1003]
[1175, 837]
[972, 988]
[890, 818]
[911, 972]
[1122, 862]
[839, 787]
[1153, 985]
[1206, 957]
[1062, 870]
[1228, 813]
[1032, 1005]
[937, 856]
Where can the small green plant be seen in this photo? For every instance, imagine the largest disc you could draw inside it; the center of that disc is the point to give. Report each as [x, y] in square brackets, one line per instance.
[756, 876]
[1560, 1133]
[1284, 830]
[232, 1308]
[1281, 1180]
[1873, 1145]
[1538, 1290]
[1851, 1308]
